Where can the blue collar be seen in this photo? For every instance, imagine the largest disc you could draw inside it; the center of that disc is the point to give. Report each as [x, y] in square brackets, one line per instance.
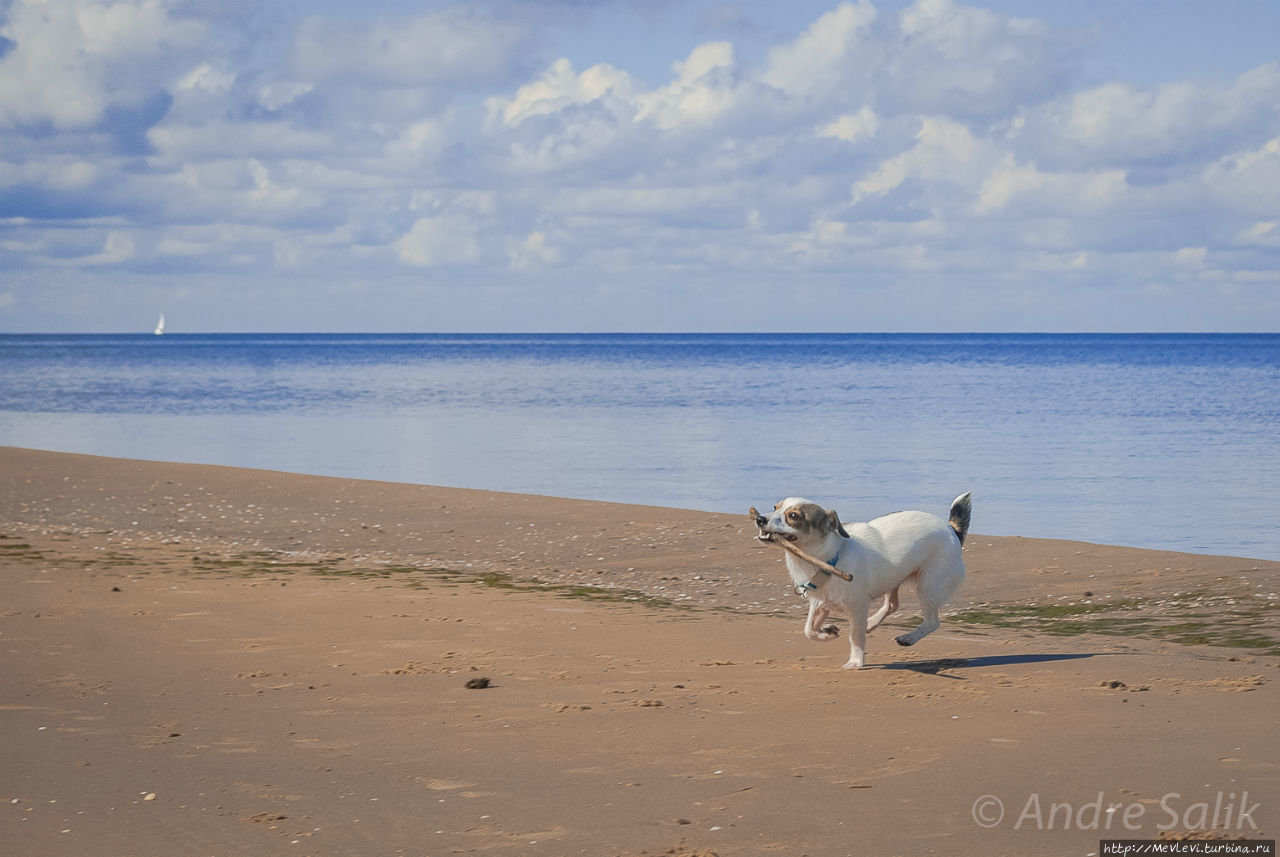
[804, 588]
[830, 562]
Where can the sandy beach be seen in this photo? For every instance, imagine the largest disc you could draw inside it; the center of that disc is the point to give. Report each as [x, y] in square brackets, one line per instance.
[211, 661]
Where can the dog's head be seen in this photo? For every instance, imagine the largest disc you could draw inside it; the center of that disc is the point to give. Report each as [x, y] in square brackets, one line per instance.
[797, 520]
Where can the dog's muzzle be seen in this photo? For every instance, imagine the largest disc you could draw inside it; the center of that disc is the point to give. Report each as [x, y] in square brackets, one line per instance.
[761, 522]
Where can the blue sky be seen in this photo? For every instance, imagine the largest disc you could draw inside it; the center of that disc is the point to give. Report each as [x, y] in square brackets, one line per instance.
[625, 165]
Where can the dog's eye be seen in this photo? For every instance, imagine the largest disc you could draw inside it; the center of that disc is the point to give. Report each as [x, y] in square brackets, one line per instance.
[793, 516]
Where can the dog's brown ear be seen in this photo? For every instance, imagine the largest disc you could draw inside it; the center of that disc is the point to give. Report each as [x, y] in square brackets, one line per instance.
[834, 525]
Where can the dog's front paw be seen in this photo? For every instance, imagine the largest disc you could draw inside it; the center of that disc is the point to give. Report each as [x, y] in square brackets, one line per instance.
[852, 665]
[904, 640]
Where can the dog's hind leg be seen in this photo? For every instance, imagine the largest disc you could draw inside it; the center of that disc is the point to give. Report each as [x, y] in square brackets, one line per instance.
[924, 629]
[887, 609]
[935, 586]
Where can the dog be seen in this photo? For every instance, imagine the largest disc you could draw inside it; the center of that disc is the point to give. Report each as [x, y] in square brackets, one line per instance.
[879, 556]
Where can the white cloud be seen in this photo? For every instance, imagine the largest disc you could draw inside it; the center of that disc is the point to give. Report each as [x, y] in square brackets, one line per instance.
[852, 127]
[446, 239]
[701, 92]
[559, 87]
[1181, 121]
[123, 30]
[117, 248]
[1009, 180]
[533, 252]
[944, 151]
[1191, 257]
[415, 145]
[58, 172]
[72, 60]
[267, 192]
[1264, 232]
[1063, 193]
[815, 62]
[565, 119]
[207, 79]
[965, 61]
[278, 94]
[1247, 182]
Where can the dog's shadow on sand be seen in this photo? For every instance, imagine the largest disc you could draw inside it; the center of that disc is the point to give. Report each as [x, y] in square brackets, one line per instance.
[942, 666]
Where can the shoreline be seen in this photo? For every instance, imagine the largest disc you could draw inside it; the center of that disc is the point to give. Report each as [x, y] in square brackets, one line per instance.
[22, 458]
[225, 661]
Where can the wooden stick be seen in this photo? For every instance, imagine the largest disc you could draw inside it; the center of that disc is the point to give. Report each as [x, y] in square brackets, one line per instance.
[825, 566]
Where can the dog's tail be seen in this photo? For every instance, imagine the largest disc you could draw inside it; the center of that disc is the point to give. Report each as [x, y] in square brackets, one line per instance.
[961, 509]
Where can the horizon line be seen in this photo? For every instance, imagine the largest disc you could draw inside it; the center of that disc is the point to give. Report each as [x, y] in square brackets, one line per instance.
[179, 333]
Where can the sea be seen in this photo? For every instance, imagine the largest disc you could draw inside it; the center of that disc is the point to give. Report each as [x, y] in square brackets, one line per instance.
[1152, 440]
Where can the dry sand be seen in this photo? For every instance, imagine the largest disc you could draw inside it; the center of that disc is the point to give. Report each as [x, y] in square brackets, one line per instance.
[212, 661]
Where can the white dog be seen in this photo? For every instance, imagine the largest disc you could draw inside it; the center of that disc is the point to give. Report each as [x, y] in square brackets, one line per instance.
[879, 555]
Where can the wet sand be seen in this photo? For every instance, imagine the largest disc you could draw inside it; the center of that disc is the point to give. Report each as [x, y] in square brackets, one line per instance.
[212, 661]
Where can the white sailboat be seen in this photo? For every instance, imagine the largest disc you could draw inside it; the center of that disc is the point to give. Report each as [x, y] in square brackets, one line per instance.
[160, 325]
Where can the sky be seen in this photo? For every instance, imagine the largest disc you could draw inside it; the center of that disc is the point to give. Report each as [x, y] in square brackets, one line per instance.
[639, 165]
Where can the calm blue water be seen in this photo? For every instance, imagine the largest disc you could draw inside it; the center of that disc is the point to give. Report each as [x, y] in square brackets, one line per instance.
[1150, 440]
